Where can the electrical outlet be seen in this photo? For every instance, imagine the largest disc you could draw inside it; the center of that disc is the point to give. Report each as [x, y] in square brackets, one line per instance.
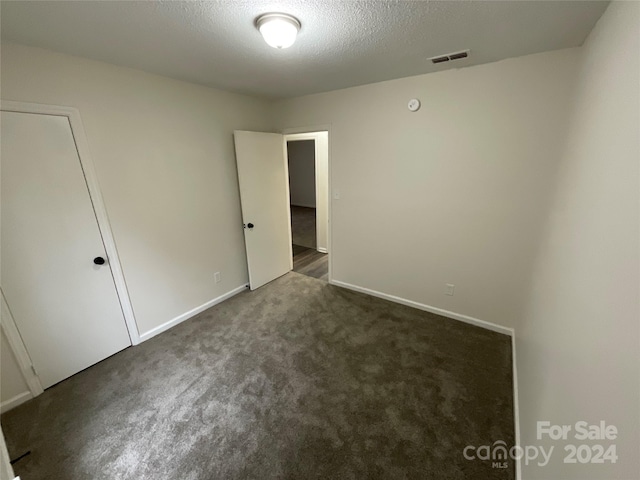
[217, 278]
[449, 288]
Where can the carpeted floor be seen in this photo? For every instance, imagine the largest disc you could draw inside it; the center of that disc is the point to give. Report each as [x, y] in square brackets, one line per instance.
[296, 380]
[303, 226]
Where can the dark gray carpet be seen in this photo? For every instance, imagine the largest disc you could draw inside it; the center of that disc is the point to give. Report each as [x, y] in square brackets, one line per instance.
[303, 226]
[296, 380]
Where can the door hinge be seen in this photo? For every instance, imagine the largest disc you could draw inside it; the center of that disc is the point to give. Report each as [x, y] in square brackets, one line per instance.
[33, 369]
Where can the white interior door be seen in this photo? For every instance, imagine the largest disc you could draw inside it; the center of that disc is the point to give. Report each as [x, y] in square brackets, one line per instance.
[264, 194]
[64, 305]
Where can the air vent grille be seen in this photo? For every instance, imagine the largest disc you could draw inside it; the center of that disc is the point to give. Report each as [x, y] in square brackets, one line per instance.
[450, 56]
[440, 59]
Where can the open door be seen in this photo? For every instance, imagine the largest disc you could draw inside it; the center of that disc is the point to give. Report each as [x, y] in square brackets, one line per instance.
[264, 195]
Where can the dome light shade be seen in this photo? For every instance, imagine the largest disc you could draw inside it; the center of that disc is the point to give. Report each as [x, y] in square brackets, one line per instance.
[279, 30]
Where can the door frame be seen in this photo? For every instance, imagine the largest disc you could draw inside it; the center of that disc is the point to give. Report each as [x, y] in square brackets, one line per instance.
[19, 350]
[6, 470]
[305, 133]
[95, 194]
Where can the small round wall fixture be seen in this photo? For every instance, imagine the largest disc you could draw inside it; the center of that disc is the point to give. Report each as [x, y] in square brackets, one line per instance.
[279, 30]
[414, 105]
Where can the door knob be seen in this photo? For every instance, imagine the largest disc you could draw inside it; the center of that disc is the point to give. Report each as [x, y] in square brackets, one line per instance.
[249, 226]
[99, 261]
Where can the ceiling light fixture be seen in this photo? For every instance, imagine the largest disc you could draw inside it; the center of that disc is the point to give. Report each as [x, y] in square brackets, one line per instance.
[279, 30]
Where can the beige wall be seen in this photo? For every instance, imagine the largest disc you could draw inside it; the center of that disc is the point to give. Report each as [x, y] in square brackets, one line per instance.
[454, 193]
[578, 342]
[163, 151]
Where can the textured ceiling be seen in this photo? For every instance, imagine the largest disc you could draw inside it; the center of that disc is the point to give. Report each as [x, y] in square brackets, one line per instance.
[341, 43]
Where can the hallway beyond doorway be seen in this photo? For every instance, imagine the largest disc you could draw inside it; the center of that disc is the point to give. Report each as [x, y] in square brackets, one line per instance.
[310, 262]
[303, 226]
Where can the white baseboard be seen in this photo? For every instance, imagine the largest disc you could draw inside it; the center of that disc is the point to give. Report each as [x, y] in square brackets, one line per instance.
[15, 401]
[322, 250]
[191, 313]
[427, 308]
[516, 408]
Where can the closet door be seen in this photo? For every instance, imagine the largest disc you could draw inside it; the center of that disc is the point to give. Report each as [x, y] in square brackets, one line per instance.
[54, 271]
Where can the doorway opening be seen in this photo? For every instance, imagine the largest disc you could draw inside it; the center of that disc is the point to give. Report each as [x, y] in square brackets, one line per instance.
[307, 161]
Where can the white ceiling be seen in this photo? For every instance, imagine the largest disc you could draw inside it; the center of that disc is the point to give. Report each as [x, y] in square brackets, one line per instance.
[341, 43]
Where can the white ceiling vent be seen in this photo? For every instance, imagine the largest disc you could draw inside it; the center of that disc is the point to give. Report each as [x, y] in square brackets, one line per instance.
[450, 56]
